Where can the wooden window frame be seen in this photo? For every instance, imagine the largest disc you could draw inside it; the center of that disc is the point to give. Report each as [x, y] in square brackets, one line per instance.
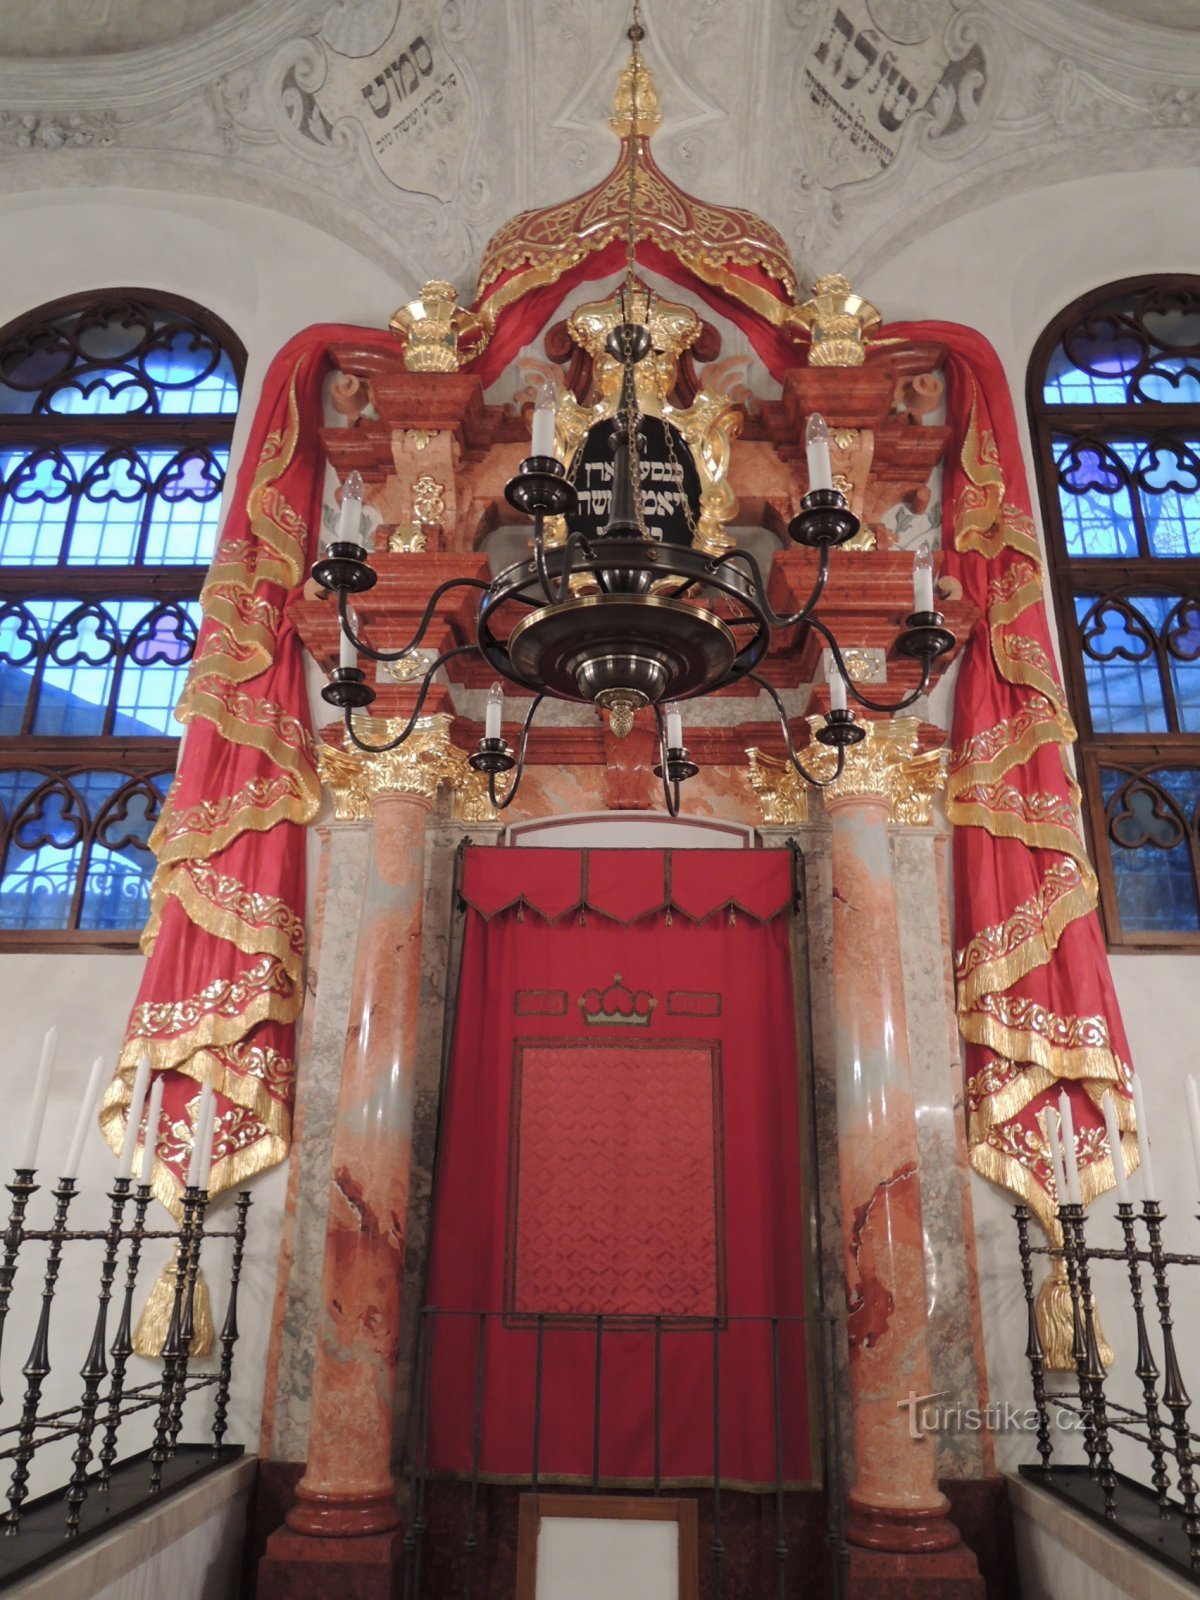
[535, 1507]
[1072, 576]
[153, 582]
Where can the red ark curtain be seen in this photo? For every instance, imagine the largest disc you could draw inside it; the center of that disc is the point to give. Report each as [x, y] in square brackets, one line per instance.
[622, 1136]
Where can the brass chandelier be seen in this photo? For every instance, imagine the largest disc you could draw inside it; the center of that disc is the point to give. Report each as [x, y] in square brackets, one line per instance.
[617, 618]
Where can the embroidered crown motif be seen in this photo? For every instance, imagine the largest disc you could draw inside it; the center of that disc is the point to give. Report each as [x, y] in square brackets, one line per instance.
[617, 1006]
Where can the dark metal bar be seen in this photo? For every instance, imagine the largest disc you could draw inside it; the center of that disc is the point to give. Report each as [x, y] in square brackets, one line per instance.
[781, 1545]
[1146, 1368]
[1175, 1395]
[471, 1543]
[160, 1450]
[22, 1188]
[596, 1392]
[419, 1521]
[95, 1366]
[1034, 1351]
[1078, 1341]
[410, 1538]
[537, 1401]
[1095, 1367]
[229, 1328]
[37, 1367]
[189, 1269]
[718, 1549]
[657, 1406]
[122, 1345]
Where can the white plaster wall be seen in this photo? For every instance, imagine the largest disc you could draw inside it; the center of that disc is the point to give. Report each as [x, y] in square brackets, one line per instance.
[1007, 269]
[268, 276]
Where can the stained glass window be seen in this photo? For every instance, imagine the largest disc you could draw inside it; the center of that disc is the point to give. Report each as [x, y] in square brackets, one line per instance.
[1114, 390]
[116, 414]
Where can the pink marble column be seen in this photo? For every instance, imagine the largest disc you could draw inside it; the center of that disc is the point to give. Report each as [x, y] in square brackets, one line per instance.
[895, 1505]
[347, 1488]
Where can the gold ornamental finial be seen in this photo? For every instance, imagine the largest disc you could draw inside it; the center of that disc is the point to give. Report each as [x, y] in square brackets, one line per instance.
[648, 118]
[839, 320]
[437, 334]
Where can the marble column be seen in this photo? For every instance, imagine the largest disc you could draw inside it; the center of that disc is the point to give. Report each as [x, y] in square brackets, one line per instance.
[897, 1518]
[341, 1532]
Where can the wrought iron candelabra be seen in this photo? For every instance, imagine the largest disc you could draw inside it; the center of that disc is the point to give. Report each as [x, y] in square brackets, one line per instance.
[107, 1398]
[1160, 1423]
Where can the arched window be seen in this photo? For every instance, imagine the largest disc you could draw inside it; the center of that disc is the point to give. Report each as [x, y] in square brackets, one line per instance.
[1114, 396]
[116, 413]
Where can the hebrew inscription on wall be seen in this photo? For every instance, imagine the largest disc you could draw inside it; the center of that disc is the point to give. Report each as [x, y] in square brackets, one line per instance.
[875, 63]
[408, 97]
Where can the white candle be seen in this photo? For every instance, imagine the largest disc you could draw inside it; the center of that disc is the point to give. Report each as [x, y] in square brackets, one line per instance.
[1149, 1192]
[1193, 1099]
[837, 691]
[1056, 1161]
[196, 1160]
[350, 515]
[210, 1128]
[87, 1110]
[1070, 1160]
[492, 712]
[923, 579]
[1108, 1106]
[153, 1119]
[37, 1106]
[137, 1101]
[543, 427]
[347, 654]
[674, 727]
[816, 448]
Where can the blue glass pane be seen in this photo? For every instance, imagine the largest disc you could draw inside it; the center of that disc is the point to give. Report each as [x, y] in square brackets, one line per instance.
[188, 382]
[116, 892]
[40, 490]
[52, 820]
[1170, 501]
[1097, 508]
[122, 356]
[86, 648]
[1183, 639]
[1149, 822]
[1067, 384]
[1120, 662]
[186, 514]
[1172, 381]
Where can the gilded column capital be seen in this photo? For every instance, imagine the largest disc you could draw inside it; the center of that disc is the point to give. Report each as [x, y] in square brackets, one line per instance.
[419, 767]
[782, 792]
[884, 767]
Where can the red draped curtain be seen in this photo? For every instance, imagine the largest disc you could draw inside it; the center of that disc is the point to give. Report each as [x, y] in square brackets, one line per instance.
[223, 985]
[622, 1135]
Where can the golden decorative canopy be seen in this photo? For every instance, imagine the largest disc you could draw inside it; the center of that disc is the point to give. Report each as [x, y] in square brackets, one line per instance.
[712, 241]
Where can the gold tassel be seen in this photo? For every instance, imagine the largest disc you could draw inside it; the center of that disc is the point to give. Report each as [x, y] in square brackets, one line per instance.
[1056, 1322]
[151, 1332]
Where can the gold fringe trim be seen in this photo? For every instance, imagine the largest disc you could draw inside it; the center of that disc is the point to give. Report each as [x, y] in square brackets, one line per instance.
[1055, 1314]
[208, 826]
[220, 904]
[1004, 970]
[155, 1321]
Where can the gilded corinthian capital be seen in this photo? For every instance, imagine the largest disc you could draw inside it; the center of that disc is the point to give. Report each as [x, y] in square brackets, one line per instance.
[419, 767]
[885, 766]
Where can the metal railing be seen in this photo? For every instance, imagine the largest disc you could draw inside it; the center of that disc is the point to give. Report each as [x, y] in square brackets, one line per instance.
[1158, 1424]
[545, 1328]
[92, 1424]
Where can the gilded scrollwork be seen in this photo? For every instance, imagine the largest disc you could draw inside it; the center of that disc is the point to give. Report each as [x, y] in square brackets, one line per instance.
[782, 792]
[886, 765]
[425, 762]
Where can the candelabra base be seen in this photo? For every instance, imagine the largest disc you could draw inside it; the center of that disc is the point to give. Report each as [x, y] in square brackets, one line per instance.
[299, 1567]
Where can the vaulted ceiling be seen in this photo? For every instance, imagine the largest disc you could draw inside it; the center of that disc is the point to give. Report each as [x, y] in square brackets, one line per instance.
[414, 128]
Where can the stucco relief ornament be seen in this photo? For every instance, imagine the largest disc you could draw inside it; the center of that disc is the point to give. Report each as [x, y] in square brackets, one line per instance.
[32, 130]
[379, 78]
[884, 76]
